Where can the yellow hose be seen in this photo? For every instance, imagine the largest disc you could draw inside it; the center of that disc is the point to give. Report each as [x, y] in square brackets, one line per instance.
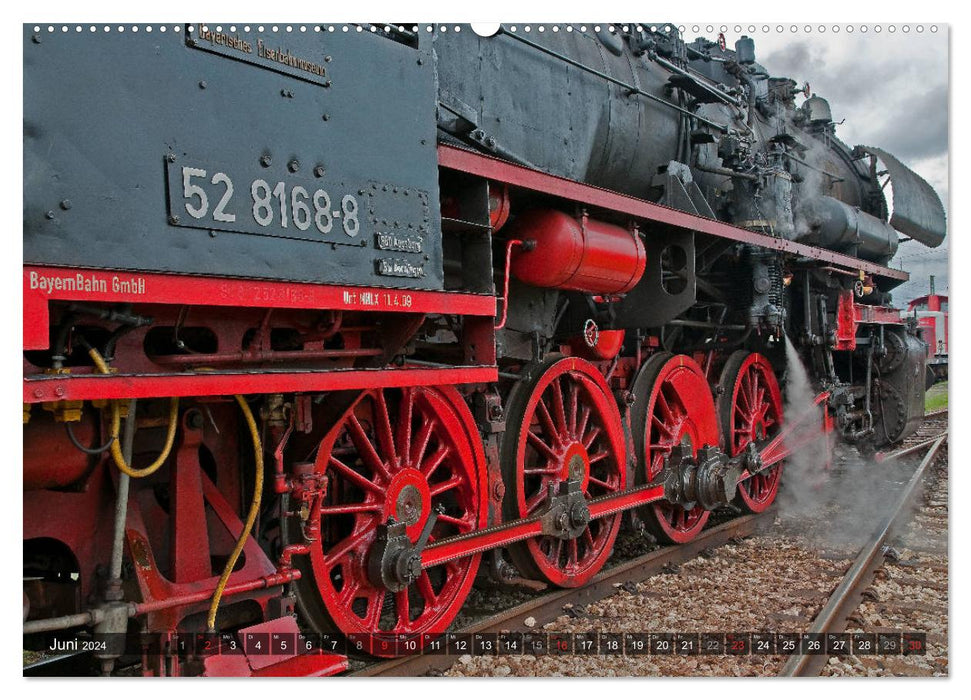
[119, 458]
[250, 519]
[116, 443]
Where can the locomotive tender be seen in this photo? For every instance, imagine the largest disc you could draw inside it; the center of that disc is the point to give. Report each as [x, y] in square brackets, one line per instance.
[322, 323]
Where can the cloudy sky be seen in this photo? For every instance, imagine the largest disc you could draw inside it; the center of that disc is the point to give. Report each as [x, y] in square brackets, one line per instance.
[892, 91]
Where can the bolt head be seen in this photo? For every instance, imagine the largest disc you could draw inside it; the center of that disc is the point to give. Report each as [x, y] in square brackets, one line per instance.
[265, 161]
[293, 166]
[66, 204]
[319, 171]
[49, 215]
[36, 38]
[174, 220]
[170, 157]
[202, 85]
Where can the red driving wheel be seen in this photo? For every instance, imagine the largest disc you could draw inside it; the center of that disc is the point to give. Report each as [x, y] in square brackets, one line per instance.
[750, 409]
[562, 423]
[672, 405]
[401, 453]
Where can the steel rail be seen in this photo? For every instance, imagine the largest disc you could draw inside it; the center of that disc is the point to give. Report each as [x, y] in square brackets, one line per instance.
[847, 596]
[547, 607]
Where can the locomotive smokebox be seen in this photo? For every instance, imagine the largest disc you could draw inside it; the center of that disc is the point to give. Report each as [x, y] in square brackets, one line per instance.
[581, 255]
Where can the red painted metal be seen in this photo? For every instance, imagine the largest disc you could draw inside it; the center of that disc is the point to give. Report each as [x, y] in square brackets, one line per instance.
[43, 284]
[679, 410]
[49, 459]
[399, 454]
[845, 321]
[579, 254]
[750, 408]
[849, 315]
[492, 168]
[166, 601]
[565, 425]
[38, 388]
[877, 314]
[606, 346]
[189, 541]
[204, 595]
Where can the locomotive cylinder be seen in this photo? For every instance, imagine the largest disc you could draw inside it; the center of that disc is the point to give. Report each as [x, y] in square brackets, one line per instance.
[837, 225]
[581, 255]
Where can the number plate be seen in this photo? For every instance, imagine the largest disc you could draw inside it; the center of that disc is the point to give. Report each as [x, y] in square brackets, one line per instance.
[277, 202]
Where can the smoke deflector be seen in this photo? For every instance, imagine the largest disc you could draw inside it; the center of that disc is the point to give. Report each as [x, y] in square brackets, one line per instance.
[917, 210]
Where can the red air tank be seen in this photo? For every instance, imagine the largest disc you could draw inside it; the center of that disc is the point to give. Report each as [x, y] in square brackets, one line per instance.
[581, 255]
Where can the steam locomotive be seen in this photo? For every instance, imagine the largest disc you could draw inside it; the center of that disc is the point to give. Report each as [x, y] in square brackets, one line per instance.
[323, 323]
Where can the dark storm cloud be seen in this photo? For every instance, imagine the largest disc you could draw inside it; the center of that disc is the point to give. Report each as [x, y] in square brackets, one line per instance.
[890, 98]
[796, 59]
[923, 132]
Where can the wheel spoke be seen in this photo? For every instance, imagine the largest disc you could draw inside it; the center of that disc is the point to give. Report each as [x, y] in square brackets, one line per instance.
[426, 589]
[602, 484]
[421, 442]
[540, 446]
[365, 449]
[350, 508]
[463, 523]
[573, 400]
[591, 436]
[428, 467]
[540, 471]
[403, 606]
[594, 458]
[560, 411]
[404, 420]
[535, 501]
[374, 608]
[440, 488]
[353, 476]
[546, 422]
[584, 420]
[348, 544]
[383, 426]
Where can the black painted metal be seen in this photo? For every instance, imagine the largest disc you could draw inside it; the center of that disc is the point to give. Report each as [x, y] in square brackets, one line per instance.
[111, 120]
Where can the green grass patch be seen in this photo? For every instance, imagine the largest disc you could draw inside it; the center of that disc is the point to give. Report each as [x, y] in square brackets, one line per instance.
[936, 398]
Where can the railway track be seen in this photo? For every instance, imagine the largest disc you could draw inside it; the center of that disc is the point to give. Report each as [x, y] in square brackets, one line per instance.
[849, 594]
[548, 606]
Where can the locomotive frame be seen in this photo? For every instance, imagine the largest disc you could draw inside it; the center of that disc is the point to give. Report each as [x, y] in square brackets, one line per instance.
[407, 426]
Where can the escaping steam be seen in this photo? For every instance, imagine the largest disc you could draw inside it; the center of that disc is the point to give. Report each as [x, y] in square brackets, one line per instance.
[836, 505]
